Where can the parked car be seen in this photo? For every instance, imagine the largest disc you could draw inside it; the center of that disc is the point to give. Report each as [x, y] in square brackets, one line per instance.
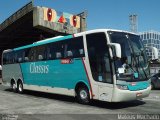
[155, 81]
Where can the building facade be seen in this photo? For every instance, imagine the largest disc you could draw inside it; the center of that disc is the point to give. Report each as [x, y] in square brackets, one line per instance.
[151, 39]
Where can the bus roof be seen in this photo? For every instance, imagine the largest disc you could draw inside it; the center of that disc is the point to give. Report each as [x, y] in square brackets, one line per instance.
[60, 38]
[103, 30]
[50, 40]
[9, 50]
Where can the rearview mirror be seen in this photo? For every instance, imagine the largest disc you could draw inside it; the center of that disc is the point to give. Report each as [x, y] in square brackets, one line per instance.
[116, 49]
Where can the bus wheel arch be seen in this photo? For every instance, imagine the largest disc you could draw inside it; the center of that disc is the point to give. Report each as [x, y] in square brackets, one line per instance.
[20, 86]
[13, 85]
[82, 93]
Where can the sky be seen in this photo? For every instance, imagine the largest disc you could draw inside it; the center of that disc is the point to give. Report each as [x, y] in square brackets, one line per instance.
[112, 14]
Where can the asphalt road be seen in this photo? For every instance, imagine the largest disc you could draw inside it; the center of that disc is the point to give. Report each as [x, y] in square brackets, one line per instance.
[38, 105]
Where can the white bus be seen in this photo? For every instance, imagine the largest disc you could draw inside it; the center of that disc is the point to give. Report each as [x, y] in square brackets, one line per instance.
[103, 64]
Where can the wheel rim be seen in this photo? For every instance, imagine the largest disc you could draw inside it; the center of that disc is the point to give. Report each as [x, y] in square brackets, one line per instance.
[20, 87]
[13, 86]
[83, 94]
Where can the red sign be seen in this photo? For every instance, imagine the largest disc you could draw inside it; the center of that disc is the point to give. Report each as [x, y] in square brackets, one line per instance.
[133, 84]
[62, 19]
[66, 61]
[74, 21]
[49, 14]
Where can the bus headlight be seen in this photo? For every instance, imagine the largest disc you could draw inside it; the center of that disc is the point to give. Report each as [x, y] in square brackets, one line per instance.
[122, 87]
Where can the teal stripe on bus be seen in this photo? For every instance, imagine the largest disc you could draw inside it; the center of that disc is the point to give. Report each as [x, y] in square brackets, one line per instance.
[138, 86]
[44, 42]
[54, 74]
[135, 86]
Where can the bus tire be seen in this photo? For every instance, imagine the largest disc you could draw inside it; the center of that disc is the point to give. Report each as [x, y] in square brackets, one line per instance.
[13, 86]
[83, 96]
[20, 87]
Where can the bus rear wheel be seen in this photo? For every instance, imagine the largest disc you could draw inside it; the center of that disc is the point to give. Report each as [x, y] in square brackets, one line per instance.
[20, 87]
[83, 96]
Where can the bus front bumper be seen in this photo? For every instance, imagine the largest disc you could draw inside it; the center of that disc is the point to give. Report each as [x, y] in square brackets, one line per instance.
[127, 95]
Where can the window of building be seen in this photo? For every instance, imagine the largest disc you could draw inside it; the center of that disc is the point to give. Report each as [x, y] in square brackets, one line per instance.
[144, 42]
[149, 41]
[148, 36]
[144, 36]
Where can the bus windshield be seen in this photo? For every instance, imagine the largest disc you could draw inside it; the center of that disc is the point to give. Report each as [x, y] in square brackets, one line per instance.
[133, 65]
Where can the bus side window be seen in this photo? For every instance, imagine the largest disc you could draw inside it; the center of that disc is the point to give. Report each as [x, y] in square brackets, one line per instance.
[40, 57]
[41, 52]
[11, 58]
[58, 55]
[49, 55]
[31, 54]
[7, 58]
[26, 59]
[69, 53]
[51, 51]
[19, 56]
[81, 52]
[54, 50]
[26, 55]
[19, 60]
[75, 48]
[58, 50]
[4, 58]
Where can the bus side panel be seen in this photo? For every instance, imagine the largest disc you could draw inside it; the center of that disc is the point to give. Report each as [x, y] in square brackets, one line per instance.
[54, 73]
[11, 71]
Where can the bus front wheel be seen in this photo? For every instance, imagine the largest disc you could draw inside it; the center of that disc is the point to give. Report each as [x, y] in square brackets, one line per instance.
[20, 87]
[83, 95]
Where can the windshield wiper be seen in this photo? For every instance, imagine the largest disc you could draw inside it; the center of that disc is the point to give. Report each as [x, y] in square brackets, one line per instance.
[134, 56]
[142, 66]
[132, 51]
